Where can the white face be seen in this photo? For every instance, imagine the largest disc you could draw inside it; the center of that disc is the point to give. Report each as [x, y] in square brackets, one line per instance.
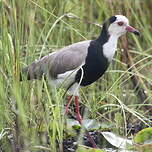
[118, 27]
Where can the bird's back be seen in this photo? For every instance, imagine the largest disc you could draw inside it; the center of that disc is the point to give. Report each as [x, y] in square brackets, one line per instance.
[61, 61]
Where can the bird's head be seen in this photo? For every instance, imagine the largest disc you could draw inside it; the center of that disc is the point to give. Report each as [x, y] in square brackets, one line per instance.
[118, 25]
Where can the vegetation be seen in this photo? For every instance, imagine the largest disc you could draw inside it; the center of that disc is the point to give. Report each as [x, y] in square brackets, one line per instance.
[31, 117]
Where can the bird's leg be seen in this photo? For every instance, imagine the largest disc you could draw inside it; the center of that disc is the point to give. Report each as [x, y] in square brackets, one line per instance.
[79, 119]
[78, 116]
[67, 106]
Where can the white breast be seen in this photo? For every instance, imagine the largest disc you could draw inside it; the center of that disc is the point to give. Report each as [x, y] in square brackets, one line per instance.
[110, 47]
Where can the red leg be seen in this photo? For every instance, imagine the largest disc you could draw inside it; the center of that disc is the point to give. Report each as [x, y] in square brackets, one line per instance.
[78, 116]
[67, 106]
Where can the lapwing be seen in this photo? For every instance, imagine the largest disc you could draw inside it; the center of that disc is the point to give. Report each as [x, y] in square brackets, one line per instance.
[82, 63]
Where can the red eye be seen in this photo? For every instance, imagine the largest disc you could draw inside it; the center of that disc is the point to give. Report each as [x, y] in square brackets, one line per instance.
[120, 23]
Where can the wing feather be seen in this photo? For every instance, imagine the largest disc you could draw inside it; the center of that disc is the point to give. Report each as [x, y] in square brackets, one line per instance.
[61, 61]
[68, 58]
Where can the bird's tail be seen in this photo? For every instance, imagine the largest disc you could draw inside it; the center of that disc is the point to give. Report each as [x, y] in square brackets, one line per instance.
[33, 71]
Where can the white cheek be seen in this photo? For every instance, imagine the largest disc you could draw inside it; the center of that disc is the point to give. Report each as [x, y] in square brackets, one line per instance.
[123, 30]
[116, 30]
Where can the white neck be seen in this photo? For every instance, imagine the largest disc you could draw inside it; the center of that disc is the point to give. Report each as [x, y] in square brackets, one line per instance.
[109, 48]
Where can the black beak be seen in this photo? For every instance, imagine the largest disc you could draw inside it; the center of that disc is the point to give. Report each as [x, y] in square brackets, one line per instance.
[137, 32]
[132, 30]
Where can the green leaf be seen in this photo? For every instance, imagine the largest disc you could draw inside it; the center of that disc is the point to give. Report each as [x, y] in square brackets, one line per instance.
[82, 148]
[143, 140]
[144, 136]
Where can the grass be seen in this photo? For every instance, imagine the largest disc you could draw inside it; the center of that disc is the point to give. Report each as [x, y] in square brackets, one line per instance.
[31, 117]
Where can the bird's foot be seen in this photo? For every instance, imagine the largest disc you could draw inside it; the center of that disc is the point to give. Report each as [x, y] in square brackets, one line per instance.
[79, 119]
[91, 140]
[78, 116]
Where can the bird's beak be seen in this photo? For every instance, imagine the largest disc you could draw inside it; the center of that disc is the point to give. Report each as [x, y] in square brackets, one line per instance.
[132, 30]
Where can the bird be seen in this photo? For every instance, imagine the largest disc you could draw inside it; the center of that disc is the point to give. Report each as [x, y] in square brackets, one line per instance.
[82, 63]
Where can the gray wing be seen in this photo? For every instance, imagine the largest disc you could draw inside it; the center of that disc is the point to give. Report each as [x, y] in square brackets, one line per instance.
[69, 58]
[65, 59]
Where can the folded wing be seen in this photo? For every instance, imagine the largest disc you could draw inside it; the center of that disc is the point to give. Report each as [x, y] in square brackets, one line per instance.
[61, 61]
